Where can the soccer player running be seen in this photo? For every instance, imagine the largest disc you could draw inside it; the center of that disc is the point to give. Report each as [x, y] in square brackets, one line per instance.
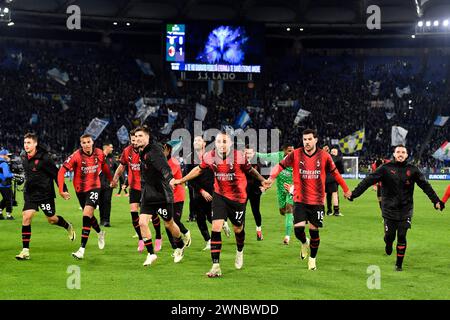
[229, 198]
[86, 163]
[39, 192]
[310, 165]
[130, 159]
[398, 178]
[285, 201]
[157, 193]
[178, 196]
[254, 193]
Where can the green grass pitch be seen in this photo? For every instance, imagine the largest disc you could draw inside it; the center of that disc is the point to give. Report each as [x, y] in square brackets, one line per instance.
[349, 246]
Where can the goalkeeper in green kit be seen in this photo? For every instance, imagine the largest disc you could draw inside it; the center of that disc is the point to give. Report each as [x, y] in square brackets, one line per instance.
[285, 201]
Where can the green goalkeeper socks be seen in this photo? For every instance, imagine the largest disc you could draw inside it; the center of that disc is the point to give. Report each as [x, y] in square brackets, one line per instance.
[288, 223]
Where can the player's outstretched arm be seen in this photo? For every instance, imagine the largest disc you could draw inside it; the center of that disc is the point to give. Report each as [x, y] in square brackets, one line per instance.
[194, 173]
[428, 189]
[366, 183]
[64, 194]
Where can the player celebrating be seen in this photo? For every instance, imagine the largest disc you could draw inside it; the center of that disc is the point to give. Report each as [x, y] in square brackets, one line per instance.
[229, 198]
[39, 191]
[157, 194]
[310, 166]
[86, 163]
[285, 202]
[130, 159]
[398, 178]
[178, 196]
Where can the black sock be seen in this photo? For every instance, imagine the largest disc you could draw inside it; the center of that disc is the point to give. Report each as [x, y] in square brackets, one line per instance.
[216, 246]
[85, 231]
[388, 247]
[336, 209]
[135, 222]
[62, 223]
[240, 238]
[328, 202]
[94, 224]
[401, 249]
[149, 245]
[300, 234]
[171, 239]
[314, 242]
[157, 225]
[26, 236]
[178, 242]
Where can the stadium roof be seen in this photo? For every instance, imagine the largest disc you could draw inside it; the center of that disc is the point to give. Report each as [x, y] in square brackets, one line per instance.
[320, 18]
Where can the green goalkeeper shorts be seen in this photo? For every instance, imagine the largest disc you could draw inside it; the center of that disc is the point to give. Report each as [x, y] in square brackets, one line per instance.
[284, 198]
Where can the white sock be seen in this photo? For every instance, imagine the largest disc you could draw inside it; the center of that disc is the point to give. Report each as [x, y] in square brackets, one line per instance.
[258, 228]
[81, 250]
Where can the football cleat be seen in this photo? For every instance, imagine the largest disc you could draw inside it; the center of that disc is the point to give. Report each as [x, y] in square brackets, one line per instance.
[178, 255]
[208, 246]
[79, 255]
[150, 259]
[304, 250]
[215, 271]
[24, 254]
[187, 239]
[312, 264]
[239, 261]
[71, 232]
[226, 229]
[101, 239]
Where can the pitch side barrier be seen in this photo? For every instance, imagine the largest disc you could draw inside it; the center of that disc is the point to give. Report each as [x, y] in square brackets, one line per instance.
[429, 176]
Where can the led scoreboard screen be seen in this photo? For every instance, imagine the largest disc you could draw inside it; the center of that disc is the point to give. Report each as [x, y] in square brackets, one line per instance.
[214, 47]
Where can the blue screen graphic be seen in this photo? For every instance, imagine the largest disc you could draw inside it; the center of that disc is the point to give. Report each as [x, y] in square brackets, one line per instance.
[225, 44]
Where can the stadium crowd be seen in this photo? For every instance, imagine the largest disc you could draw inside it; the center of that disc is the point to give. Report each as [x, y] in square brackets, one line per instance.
[336, 90]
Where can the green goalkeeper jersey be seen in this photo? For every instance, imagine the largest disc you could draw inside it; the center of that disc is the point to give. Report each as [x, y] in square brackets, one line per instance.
[274, 158]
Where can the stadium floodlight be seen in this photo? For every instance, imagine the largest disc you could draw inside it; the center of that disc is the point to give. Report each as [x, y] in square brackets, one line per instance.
[288, 29]
[420, 24]
[428, 23]
[10, 24]
[128, 24]
[115, 23]
[301, 29]
[445, 23]
[413, 36]
[436, 23]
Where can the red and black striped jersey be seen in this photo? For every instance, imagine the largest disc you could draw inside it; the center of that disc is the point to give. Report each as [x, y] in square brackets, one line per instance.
[86, 169]
[229, 174]
[309, 175]
[130, 158]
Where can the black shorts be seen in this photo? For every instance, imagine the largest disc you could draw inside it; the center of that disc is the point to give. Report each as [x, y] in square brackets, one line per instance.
[165, 210]
[135, 196]
[47, 206]
[89, 198]
[394, 225]
[331, 187]
[223, 208]
[309, 213]
[201, 206]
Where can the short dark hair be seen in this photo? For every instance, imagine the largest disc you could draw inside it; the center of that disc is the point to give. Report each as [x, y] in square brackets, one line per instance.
[286, 145]
[310, 131]
[400, 146]
[143, 129]
[86, 135]
[107, 143]
[31, 135]
[132, 132]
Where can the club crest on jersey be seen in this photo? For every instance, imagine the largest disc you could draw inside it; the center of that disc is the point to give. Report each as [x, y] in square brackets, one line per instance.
[231, 166]
[318, 163]
[302, 163]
